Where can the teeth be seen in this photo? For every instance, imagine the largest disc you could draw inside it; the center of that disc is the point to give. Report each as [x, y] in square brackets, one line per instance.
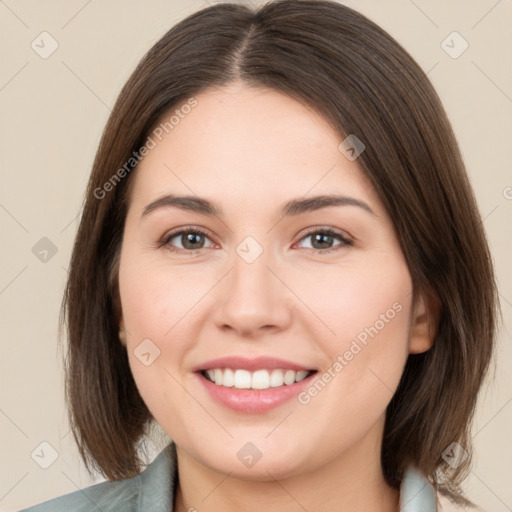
[242, 379]
[260, 379]
[228, 378]
[289, 377]
[276, 378]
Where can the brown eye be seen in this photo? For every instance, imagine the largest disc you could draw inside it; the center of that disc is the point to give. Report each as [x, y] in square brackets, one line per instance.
[322, 240]
[191, 240]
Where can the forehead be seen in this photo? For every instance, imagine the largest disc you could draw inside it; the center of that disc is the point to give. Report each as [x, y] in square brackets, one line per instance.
[251, 145]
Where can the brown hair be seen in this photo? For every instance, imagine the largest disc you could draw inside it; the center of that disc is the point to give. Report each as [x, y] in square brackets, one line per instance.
[344, 66]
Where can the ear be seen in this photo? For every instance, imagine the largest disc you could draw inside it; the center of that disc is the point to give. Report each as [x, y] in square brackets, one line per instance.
[122, 330]
[424, 324]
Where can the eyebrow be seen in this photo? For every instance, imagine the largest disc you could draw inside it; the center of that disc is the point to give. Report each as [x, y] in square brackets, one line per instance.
[290, 208]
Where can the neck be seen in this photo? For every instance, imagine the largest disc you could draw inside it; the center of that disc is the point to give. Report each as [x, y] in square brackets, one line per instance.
[352, 481]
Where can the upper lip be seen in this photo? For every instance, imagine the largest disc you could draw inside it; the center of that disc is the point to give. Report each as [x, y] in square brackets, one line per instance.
[243, 363]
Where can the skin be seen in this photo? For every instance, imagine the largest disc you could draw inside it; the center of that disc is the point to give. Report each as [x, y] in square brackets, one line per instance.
[250, 150]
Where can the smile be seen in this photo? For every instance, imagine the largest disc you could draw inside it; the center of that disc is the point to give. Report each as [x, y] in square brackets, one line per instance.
[260, 379]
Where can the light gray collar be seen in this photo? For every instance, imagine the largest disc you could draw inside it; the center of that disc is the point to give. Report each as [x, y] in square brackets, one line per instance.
[416, 493]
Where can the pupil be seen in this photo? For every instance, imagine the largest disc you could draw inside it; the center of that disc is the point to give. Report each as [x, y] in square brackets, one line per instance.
[321, 236]
[190, 238]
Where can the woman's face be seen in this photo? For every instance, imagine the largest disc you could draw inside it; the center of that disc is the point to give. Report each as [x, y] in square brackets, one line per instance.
[266, 286]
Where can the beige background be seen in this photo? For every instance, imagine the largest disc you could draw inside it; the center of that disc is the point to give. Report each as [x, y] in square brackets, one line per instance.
[52, 114]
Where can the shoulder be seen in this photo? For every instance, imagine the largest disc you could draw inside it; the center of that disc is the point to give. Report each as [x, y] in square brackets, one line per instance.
[105, 496]
[418, 494]
[152, 490]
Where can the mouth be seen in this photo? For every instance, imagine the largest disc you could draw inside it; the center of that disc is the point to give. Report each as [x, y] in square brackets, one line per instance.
[260, 379]
[253, 385]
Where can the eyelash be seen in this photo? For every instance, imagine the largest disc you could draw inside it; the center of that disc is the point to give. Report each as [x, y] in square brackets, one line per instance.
[197, 231]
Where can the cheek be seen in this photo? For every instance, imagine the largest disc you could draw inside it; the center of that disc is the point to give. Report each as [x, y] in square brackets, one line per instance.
[156, 306]
[367, 309]
[154, 298]
[366, 305]
[359, 300]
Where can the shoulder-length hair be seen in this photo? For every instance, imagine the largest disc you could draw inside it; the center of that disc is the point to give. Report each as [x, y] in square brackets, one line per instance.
[344, 66]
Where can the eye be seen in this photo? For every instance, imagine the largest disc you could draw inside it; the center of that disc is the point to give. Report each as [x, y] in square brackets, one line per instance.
[191, 239]
[322, 239]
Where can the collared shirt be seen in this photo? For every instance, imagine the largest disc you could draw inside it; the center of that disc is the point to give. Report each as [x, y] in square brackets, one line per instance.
[153, 490]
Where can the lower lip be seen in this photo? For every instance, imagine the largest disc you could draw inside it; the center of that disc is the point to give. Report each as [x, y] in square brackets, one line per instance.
[253, 401]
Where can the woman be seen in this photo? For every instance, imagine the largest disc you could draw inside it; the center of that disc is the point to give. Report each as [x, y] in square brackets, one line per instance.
[281, 262]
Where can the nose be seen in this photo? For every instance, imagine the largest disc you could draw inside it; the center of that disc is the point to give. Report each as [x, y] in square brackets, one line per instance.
[254, 298]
